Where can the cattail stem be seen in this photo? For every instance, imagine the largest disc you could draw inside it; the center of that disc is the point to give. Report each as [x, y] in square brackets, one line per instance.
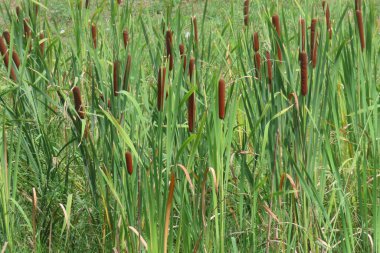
[269, 69]
[276, 24]
[191, 112]
[78, 102]
[161, 88]
[128, 160]
[221, 98]
[359, 17]
[94, 34]
[304, 78]
[116, 78]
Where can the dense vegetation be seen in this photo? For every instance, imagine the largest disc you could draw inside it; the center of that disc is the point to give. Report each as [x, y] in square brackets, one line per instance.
[189, 126]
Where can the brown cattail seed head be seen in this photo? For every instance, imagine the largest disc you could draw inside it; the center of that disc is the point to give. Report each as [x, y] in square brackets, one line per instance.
[303, 34]
[27, 30]
[7, 37]
[127, 70]
[16, 59]
[18, 11]
[359, 17]
[269, 68]
[94, 33]
[323, 5]
[126, 38]
[191, 68]
[221, 98]
[78, 102]
[181, 49]
[5, 54]
[257, 64]
[246, 12]
[313, 42]
[115, 78]
[195, 27]
[191, 112]
[358, 5]
[128, 160]
[169, 46]
[256, 45]
[161, 88]
[328, 22]
[42, 43]
[304, 62]
[276, 24]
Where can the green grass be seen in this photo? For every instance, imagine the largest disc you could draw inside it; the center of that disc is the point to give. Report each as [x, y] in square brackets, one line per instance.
[281, 172]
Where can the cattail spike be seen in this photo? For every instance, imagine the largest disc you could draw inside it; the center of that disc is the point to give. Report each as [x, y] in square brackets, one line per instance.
[191, 112]
[269, 68]
[126, 38]
[191, 68]
[358, 5]
[221, 98]
[161, 88]
[246, 12]
[116, 78]
[359, 17]
[276, 24]
[257, 64]
[313, 41]
[303, 34]
[304, 78]
[328, 22]
[323, 5]
[78, 102]
[181, 49]
[5, 54]
[256, 44]
[195, 27]
[7, 37]
[27, 30]
[94, 34]
[128, 160]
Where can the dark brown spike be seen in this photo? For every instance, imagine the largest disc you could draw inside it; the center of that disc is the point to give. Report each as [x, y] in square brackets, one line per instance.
[246, 12]
[169, 42]
[161, 88]
[127, 72]
[181, 49]
[15, 58]
[7, 37]
[126, 38]
[358, 5]
[195, 27]
[303, 34]
[257, 64]
[191, 68]
[94, 35]
[5, 54]
[191, 112]
[87, 4]
[221, 98]
[116, 78]
[359, 18]
[323, 5]
[276, 24]
[256, 44]
[304, 78]
[328, 22]
[269, 69]
[128, 161]
[27, 31]
[78, 102]
[18, 12]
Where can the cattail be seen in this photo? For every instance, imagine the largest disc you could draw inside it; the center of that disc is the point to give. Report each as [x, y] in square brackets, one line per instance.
[328, 22]
[191, 112]
[161, 88]
[94, 34]
[358, 5]
[115, 78]
[7, 37]
[246, 12]
[303, 73]
[5, 54]
[169, 45]
[191, 68]
[15, 58]
[221, 98]
[128, 160]
[359, 17]
[195, 27]
[78, 102]
[257, 64]
[181, 49]
[119, 2]
[18, 12]
[303, 34]
[87, 3]
[323, 5]
[42, 43]
[269, 68]
[313, 41]
[27, 30]
[126, 38]
[276, 24]
[127, 71]
[256, 45]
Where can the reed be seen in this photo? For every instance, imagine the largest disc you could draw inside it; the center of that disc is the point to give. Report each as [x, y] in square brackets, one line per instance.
[304, 62]
[359, 18]
[161, 88]
[276, 24]
[221, 98]
[94, 35]
[116, 78]
[128, 161]
[78, 102]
